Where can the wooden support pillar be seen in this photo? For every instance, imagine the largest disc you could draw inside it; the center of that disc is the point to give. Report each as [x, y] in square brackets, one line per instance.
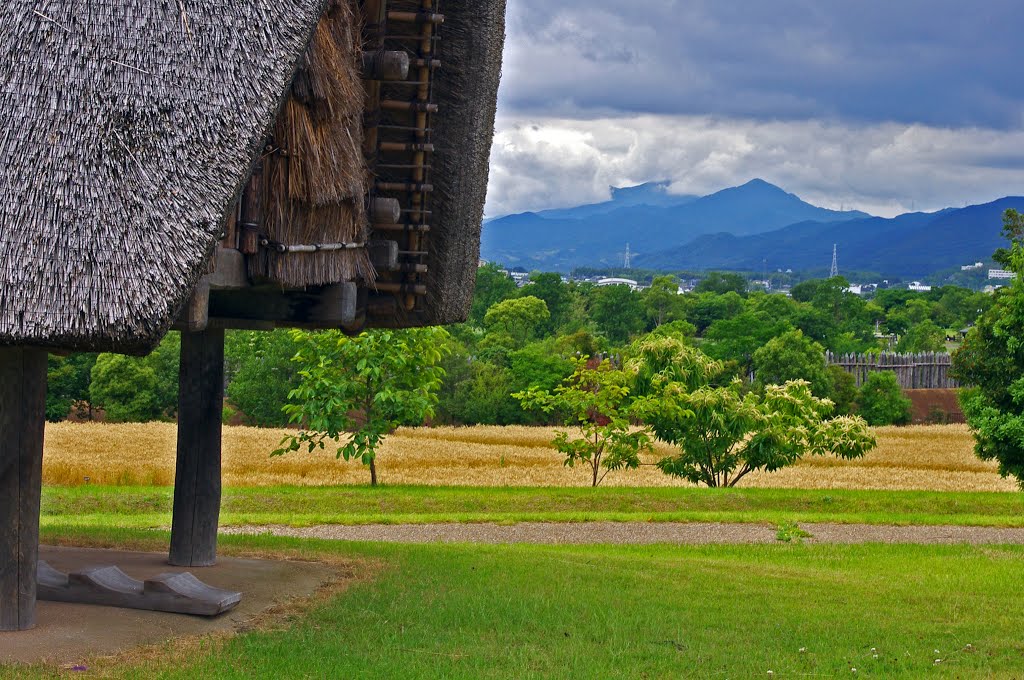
[22, 421]
[197, 484]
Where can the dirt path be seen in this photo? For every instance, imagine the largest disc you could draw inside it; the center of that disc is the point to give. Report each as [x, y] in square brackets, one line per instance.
[639, 533]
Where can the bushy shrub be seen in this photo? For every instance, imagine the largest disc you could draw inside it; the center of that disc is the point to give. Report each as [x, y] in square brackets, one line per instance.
[882, 401]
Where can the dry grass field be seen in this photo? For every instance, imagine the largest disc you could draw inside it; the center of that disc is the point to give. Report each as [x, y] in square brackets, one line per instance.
[935, 458]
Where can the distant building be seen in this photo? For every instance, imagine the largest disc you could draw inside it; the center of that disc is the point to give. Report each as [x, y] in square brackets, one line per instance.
[633, 285]
[1001, 274]
[855, 288]
[918, 286]
[521, 278]
[972, 267]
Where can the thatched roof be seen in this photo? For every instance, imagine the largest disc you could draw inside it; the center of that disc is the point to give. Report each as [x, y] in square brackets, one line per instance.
[474, 36]
[127, 128]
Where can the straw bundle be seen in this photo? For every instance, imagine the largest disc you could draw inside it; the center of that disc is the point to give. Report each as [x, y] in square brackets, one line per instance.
[314, 182]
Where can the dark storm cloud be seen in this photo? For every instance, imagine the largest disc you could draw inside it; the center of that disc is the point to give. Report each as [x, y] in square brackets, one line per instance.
[944, 63]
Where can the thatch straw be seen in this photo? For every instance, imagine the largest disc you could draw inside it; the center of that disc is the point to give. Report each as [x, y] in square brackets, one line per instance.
[127, 129]
[314, 187]
[466, 88]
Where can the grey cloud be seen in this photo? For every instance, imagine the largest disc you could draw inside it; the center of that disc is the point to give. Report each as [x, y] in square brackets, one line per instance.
[886, 168]
[938, 62]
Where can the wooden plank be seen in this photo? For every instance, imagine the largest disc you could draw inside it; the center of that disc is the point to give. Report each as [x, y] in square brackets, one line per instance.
[197, 481]
[22, 423]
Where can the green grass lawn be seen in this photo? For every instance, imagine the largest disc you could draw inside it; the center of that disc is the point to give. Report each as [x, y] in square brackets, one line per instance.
[630, 612]
[88, 506]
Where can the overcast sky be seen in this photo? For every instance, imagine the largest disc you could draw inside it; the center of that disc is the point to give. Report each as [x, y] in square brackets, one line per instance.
[878, 105]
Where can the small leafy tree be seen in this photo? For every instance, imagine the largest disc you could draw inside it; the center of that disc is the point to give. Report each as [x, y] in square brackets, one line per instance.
[882, 401]
[362, 387]
[595, 400]
[992, 360]
[725, 433]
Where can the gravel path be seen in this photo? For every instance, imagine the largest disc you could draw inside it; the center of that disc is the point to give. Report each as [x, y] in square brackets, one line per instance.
[638, 533]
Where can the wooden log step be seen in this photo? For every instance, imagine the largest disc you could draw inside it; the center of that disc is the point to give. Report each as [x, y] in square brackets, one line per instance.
[398, 105]
[404, 186]
[387, 65]
[416, 17]
[110, 587]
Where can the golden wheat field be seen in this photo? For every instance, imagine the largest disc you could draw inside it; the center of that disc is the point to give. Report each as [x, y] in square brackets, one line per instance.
[937, 458]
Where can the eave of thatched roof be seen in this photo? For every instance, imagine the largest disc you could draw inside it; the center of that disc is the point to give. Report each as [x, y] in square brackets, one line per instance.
[467, 91]
[127, 128]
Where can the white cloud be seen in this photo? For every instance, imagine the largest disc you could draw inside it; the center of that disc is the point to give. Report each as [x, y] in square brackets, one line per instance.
[886, 168]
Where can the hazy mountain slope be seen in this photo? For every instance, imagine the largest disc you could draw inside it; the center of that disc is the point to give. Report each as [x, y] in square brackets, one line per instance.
[915, 244]
[597, 235]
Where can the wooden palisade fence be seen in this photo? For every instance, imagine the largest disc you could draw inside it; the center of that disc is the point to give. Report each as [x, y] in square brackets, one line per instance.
[925, 370]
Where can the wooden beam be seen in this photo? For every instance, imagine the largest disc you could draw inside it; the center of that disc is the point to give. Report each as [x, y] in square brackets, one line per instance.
[385, 65]
[337, 305]
[230, 270]
[197, 481]
[22, 422]
[383, 255]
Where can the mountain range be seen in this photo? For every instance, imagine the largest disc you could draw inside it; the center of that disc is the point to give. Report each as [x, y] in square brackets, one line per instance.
[742, 228]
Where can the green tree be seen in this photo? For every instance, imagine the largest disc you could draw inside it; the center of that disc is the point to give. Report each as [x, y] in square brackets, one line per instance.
[992, 360]
[261, 374]
[720, 283]
[737, 339]
[492, 286]
[882, 402]
[924, 336]
[363, 388]
[125, 388]
[792, 356]
[725, 433]
[844, 391]
[662, 302]
[618, 313]
[138, 389]
[555, 293]
[539, 365]
[595, 400]
[521, 319]
[703, 309]
[483, 398]
[67, 383]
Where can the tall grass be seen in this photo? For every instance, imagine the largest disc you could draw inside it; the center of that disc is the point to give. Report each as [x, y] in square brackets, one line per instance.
[936, 458]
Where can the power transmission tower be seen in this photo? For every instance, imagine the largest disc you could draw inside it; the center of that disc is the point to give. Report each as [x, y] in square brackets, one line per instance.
[835, 261]
[628, 263]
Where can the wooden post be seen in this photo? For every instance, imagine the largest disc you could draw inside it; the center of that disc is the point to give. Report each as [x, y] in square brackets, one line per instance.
[22, 421]
[197, 479]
